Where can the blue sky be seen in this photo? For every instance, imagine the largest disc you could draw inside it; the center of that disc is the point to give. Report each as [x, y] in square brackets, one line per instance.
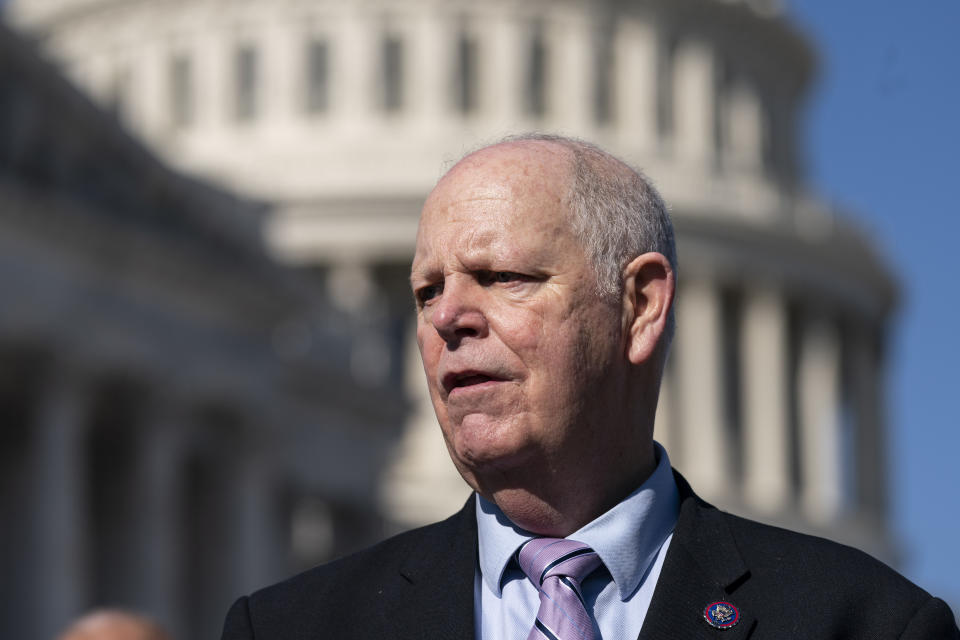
[882, 138]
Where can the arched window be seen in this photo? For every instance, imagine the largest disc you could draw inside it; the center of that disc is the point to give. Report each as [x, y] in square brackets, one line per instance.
[317, 75]
[603, 74]
[465, 74]
[723, 83]
[536, 77]
[731, 308]
[666, 57]
[246, 78]
[181, 91]
[391, 69]
[770, 152]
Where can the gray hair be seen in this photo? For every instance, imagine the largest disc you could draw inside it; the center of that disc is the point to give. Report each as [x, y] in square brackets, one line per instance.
[617, 213]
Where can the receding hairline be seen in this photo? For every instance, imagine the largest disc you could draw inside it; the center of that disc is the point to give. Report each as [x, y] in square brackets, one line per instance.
[575, 155]
[512, 149]
[549, 165]
[574, 152]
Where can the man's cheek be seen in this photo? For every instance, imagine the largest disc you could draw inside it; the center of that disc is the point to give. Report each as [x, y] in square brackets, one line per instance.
[525, 334]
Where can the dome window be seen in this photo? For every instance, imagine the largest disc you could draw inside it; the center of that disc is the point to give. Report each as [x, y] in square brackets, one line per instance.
[391, 66]
[318, 76]
[465, 75]
[181, 91]
[536, 85]
[245, 83]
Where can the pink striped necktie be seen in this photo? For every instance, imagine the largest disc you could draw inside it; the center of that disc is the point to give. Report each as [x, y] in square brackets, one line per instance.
[556, 567]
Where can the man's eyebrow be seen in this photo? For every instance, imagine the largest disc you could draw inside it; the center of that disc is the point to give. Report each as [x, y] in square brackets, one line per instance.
[420, 274]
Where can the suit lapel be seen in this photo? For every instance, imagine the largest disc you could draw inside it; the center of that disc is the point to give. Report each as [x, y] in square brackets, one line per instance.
[435, 599]
[703, 566]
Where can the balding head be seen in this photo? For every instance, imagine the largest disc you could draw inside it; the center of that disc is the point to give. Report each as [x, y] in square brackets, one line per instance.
[114, 625]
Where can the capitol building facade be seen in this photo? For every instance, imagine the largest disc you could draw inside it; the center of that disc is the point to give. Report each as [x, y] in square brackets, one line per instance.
[338, 117]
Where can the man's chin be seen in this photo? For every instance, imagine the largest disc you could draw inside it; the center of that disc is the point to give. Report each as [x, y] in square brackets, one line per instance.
[491, 470]
[494, 459]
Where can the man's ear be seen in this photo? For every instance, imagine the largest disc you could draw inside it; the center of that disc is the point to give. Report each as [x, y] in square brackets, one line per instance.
[648, 289]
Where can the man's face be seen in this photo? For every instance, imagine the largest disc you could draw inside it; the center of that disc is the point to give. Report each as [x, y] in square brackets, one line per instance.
[520, 353]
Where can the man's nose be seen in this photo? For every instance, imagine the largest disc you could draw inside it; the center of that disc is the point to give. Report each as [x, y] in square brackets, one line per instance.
[458, 313]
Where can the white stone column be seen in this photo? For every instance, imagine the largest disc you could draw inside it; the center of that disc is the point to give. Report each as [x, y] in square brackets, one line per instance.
[694, 102]
[430, 69]
[744, 124]
[763, 340]
[282, 72]
[818, 407]
[60, 512]
[706, 455]
[355, 69]
[569, 65]
[213, 91]
[635, 80]
[502, 79]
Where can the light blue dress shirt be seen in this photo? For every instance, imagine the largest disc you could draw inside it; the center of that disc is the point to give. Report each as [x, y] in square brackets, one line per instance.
[631, 539]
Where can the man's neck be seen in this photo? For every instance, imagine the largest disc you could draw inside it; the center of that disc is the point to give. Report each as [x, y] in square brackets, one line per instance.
[556, 505]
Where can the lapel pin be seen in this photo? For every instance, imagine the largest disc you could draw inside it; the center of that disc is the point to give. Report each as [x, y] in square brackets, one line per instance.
[721, 615]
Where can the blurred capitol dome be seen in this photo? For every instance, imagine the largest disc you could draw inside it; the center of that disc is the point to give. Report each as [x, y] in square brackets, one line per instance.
[340, 115]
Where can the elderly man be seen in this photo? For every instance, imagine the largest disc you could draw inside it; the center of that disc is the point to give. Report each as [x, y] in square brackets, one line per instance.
[544, 279]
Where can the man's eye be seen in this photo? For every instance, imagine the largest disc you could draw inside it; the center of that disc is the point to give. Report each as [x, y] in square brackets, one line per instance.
[500, 277]
[425, 294]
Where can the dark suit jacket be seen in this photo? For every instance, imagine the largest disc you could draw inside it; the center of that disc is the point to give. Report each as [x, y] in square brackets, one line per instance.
[420, 585]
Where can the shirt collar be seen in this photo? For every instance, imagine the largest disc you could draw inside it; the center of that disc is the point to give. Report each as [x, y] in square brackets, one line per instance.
[627, 537]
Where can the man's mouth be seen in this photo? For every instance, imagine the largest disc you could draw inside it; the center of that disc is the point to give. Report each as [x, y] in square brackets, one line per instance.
[467, 380]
